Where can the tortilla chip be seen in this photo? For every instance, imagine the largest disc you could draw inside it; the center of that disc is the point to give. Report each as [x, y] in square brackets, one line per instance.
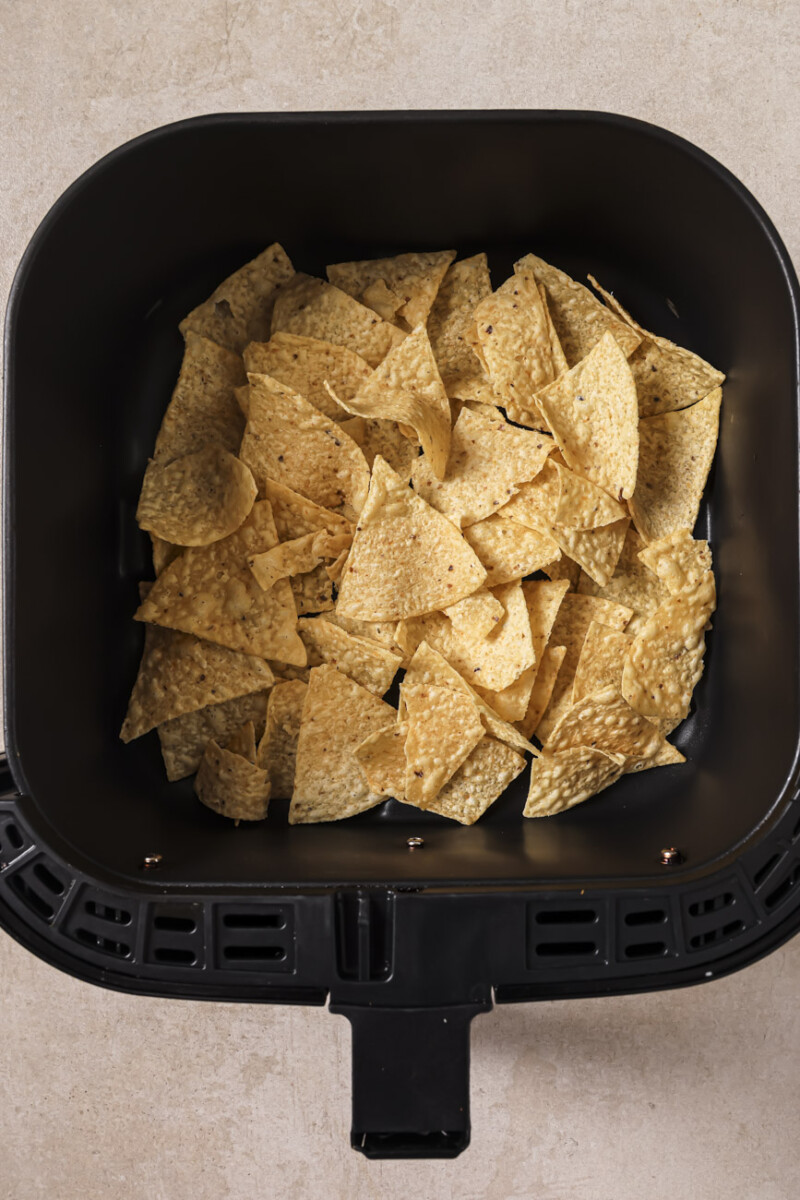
[231, 786]
[563, 568]
[240, 309]
[560, 781]
[180, 674]
[210, 591]
[381, 632]
[338, 714]
[312, 591]
[512, 702]
[443, 727]
[665, 661]
[514, 339]
[602, 658]
[371, 665]
[488, 461]
[596, 551]
[382, 759]
[509, 550]
[632, 584]
[594, 415]
[381, 299]
[676, 452]
[667, 376]
[412, 278]
[605, 721]
[536, 503]
[407, 559]
[478, 782]
[313, 308]
[297, 557]
[452, 316]
[277, 749]
[406, 387]
[569, 630]
[286, 672]
[579, 317]
[582, 504]
[678, 560]
[546, 675]
[184, 739]
[296, 515]
[560, 364]
[304, 363]
[163, 553]
[543, 600]
[384, 438]
[243, 742]
[196, 499]
[203, 408]
[476, 615]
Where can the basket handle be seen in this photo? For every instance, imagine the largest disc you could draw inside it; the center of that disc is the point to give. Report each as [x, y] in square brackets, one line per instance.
[410, 1079]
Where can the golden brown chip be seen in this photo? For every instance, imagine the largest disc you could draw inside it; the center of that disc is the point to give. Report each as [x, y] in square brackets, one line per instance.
[277, 749]
[594, 416]
[452, 317]
[514, 338]
[203, 408]
[678, 560]
[184, 739]
[232, 786]
[382, 759]
[381, 632]
[543, 600]
[163, 553]
[406, 558]
[443, 727]
[313, 308]
[406, 387]
[560, 364]
[243, 742]
[196, 499]
[536, 503]
[632, 584]
[546, 675]
[180, 673]
[512, 702]
[285, 671]
[210, 591]
[675, 456]
[563, 568]
[509, 550]
[579, 317]
[601, 662]
[304, 363]
[667, 376]
[582, 504]
[605, 721]
[338, 714]
[290, 441]
[488, 461]
[596, 551]
[370, 664]
[560, 781]
[312, 591]
[413, 279]
[240, 309]
[297, 557]
[478, 782]
[476, 615]
[296, 515]
[384, 438]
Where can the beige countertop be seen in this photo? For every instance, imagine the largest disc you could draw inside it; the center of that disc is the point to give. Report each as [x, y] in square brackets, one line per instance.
[682, 1094]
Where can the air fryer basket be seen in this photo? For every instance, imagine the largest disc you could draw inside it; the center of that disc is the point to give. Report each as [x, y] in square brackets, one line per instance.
[116, 876]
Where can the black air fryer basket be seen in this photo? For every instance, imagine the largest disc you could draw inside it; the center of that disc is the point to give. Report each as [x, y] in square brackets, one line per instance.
[122, 879]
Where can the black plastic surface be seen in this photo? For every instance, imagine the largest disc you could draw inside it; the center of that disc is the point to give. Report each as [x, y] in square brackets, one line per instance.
[92, 351]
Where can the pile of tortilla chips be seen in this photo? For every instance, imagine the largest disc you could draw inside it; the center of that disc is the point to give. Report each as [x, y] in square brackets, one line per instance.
[401, 475]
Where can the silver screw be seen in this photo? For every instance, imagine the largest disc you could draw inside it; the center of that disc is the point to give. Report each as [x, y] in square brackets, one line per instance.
[415, 843]
[670, 856]
[152, 861]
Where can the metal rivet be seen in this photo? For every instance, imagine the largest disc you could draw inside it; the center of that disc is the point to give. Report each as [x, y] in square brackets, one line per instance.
[151, 861]
[670, 856]
[415, 843]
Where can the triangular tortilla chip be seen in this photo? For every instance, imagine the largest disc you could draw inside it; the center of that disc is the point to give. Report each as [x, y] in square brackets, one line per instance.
[675, 456]
[382, 759]
[560, 781]
[514, 338]
[478, 782]
[203, 408]
[406, 387]
[290, 441]
[679, 560]
[413, 278]
[407, 559]
[180, 673]
[196, 499]
[163, 553]
[184, 739]
[546, 675]
[605, 721]
[579, 317]
[476, 615]
[210, 591]
[371, 665]
[560, 364]
[313, 308]
[563, 568]
[452, 316]
[509, 550]
[240, 309]
[443, 727]
[602, 659]
[632, 584]
[488, 461]
[312, 591]
[536, 503]
[543, 600]
[512, 702]
[582, 504]
[304, 363]
[338, 714]
[667, 376]
[243, 742]
[594, 415]
[296, 515]
[596, 551]
[297, 557]
[232, 786]
[277, 749]
[384, 438]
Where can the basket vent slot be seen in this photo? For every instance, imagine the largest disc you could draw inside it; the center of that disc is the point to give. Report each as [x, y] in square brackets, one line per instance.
[699, 908]
[254, 937]
[646, 950]
[100, 922]
[566, 949]
[781, 892]
[40, 887]
[105, 945]
[562, 934]
[107, 913]
[645, 929]
[12, 842]
[715, 916]
[32, 897]
[567, 916]
[651, 916]
[175, 935]
[765, 869]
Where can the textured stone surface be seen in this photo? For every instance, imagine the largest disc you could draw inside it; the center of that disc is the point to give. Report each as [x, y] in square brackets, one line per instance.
[681, 1094]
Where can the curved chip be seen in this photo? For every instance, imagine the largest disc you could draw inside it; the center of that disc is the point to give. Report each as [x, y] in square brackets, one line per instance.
[196, 499]
[304, 363]
[679, 560]
[232, 786]
[560, 781]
